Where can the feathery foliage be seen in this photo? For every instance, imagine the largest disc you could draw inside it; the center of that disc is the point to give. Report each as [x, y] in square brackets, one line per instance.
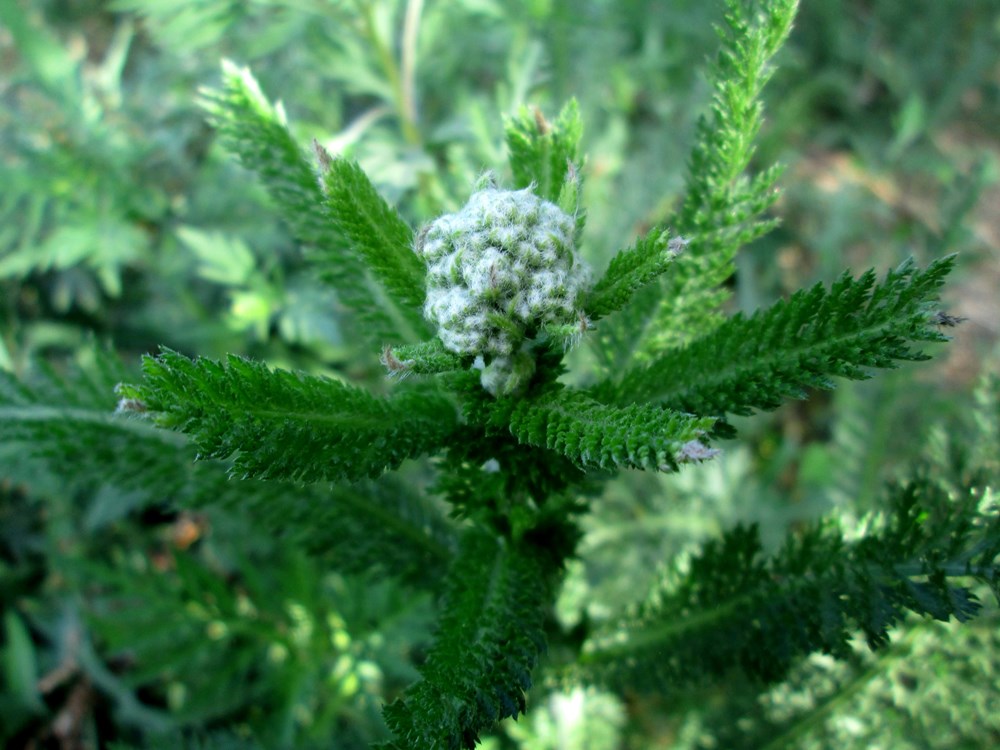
[737, 607]
[65, 426]
[348, 226]
[542, 154]
[376, 233]
[490, 638]
[637, 436]
[796, 344]
[722, 206]
[284, 425]
[631, 270]
[426, 358]
[281, 622]
[233, 645]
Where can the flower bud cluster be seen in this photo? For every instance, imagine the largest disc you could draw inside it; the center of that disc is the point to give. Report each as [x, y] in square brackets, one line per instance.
[500, 269]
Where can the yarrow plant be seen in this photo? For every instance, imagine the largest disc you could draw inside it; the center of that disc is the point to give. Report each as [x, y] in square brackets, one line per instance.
[478, 310]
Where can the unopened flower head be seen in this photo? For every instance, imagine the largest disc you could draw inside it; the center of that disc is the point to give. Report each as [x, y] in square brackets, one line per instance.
[499, 270]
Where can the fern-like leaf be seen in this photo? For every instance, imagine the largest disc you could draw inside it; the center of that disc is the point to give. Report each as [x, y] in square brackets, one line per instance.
[386, 526]
[285, 425]
[594, 435]
[255, 130]
[377, 234]
[60, 433]
[545, 154]
[426, 358]
[630, 270]
[721, 208]
[65, 425]
[757, 362]
[735, 607]
[490, 638]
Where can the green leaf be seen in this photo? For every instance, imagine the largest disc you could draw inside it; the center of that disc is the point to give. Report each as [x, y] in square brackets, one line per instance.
[60, 431]
[630, 270]
[803, 342]
[722, 206]
[256, 131]
[50, 62]
[20, 668]
[734, 606]
[221, 259]
[490, 638]
[594, 435]
[378, 235]
[545, 154]
[426, 358]
[287, 425]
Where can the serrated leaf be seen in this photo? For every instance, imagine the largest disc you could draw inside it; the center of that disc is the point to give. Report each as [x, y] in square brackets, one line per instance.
[379, 236]
[630, 270]
[803, 342]
[722, 207]
[284, 425]
[595, 435]
[490, 638]
[256, 131]
[735, 606]
[61, 430]
[543, 153]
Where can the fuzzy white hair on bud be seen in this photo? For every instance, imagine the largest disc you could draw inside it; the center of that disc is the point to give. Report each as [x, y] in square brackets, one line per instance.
[498, 270]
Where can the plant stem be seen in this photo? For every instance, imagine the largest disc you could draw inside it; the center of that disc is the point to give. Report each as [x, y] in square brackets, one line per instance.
[402, 100]
[402, 81]
[411, 32]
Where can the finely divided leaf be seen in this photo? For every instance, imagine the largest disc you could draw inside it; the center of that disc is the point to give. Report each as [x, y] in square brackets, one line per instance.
[490, 638]
[803, 342]
[733, 606]
[591, 434]
[425, 358]
[630, 270]
[255, 130]
[60, 431]
[722, 206]
[378, 235]
[545, 154]
[286, 425]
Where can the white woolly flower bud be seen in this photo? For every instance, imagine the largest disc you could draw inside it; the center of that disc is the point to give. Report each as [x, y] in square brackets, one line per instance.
[498, 271]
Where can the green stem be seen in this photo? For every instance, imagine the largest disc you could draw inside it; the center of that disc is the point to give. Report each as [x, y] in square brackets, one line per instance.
[402, 98]
[411, 32]
[402, 82]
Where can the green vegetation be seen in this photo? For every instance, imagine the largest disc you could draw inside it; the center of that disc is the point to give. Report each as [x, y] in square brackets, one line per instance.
[301, 447]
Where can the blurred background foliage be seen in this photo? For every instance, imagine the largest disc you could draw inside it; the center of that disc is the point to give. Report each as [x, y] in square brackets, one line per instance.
[121, 221]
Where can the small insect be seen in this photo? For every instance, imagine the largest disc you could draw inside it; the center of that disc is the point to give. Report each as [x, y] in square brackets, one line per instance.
[945, 320]
[397, 368]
